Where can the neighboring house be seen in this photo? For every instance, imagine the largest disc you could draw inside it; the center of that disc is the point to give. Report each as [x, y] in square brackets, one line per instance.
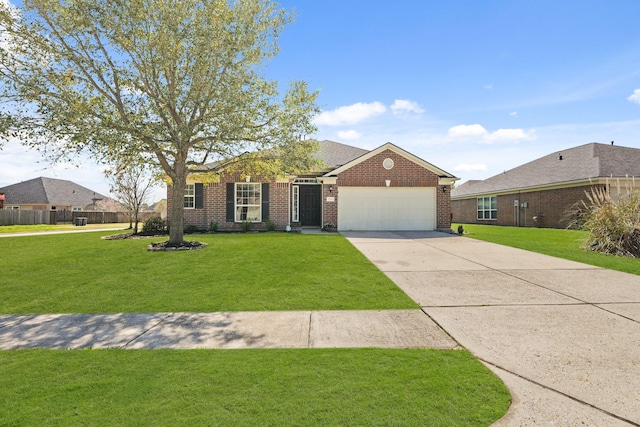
[383, 189]
[50, 194]
[542, 193]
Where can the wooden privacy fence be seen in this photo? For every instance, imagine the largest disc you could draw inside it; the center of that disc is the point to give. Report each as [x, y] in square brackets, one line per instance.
[95, 217]
[100, 217]
[31, 217]
[25, 217]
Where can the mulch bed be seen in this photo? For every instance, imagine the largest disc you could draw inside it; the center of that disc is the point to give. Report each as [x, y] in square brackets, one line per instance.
[158, 247]
[184, 246]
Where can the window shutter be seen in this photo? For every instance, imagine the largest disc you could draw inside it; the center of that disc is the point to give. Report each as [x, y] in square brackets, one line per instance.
[230, 202]
[199, 187]
[265, 201]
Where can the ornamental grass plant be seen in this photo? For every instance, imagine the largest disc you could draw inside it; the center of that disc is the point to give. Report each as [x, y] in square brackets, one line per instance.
[613, 224]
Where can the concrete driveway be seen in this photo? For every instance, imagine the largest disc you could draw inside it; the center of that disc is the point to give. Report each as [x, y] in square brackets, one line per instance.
[563, 336]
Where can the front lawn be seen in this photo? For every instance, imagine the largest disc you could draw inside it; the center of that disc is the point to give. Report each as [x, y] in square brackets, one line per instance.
[550, 241]
[81, 273]
[334, 387]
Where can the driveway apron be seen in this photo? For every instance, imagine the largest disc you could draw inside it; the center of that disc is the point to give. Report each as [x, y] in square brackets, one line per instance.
[563, 336]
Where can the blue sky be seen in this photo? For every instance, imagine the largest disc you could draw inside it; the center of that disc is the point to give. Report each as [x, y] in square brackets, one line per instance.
[473, 87]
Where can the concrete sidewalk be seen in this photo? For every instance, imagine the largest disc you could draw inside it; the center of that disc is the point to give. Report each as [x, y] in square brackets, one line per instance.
[288, 329]
[563, 336]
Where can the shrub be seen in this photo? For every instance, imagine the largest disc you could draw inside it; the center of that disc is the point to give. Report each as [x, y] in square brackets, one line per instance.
[329, 227]
[271, 225]
[154, 224]
[190, 229]
[246, 226]
[613, 225]
[214, 226]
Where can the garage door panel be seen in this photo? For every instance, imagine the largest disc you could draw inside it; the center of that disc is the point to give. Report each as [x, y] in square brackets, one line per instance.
[386, 208]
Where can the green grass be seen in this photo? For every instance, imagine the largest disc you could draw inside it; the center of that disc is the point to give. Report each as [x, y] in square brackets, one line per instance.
[248, 387]
[555, 242]
[81, 273]
[268, 271]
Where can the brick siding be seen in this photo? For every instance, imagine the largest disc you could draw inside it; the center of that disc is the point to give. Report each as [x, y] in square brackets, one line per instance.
[330, 209]
[549, 207]
[369, 173]
[405, 173]
[215, 205]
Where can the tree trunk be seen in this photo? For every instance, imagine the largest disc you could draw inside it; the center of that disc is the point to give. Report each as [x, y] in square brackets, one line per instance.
[176, 220]
[135, 221]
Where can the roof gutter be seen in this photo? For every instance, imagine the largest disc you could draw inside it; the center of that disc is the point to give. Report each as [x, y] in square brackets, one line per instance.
[552, 186]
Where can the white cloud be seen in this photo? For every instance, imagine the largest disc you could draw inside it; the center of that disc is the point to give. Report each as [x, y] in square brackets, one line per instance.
[349, 135]
[401, 105]
[466, 131]
[475, 167]
[500, 135]
[635, 97]
[350, 114]
[509, 135]
[488, 86]
[513, 114]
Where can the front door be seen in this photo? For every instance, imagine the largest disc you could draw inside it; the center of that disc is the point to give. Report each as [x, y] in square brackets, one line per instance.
[310, 205]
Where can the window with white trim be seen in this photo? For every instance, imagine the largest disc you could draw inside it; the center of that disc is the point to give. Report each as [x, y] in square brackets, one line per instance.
[488, 207]
[295, 201]
[248, 201]
[190, 196]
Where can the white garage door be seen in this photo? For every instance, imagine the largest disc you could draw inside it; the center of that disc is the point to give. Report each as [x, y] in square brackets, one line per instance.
[386, 208]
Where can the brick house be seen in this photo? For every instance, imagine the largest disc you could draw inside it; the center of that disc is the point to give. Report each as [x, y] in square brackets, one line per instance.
[383, 189]
[541, 193]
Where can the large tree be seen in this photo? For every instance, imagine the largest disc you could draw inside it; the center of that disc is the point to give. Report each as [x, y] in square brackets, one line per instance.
[178, 80]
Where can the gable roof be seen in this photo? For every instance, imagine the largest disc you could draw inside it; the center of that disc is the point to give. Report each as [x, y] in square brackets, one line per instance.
[389, 146]
[332, 154]
[335, 154]
[570, 166]
[338, 157]
[49, 191]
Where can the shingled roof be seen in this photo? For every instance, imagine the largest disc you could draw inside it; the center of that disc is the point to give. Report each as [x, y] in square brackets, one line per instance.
[332, 154]
[335, 154]
[49, 191]
[582, 163]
